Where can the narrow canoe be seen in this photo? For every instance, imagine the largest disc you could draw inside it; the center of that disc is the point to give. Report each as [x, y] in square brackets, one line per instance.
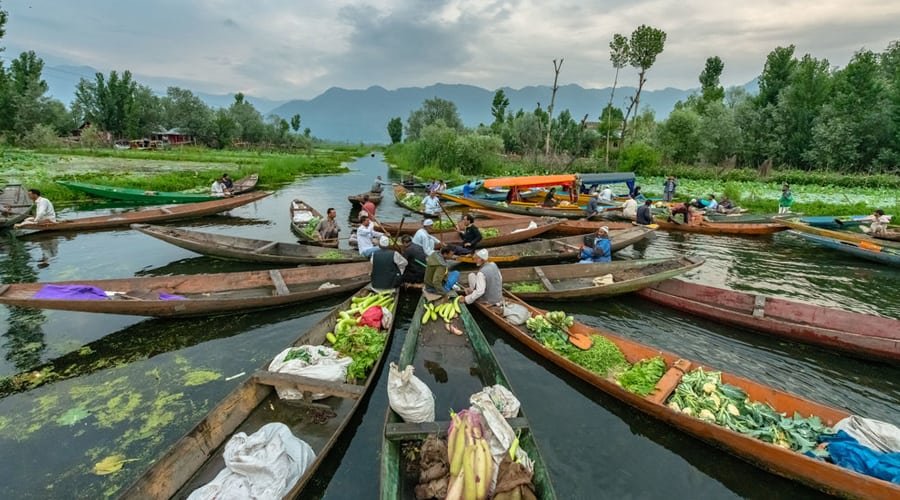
[576, 281]
[248, 249]
[863, 335]
[400, 193]
[705, 227]
[147, 215]
[835, 221]
[197, 457]
[467, 365]
[508, 233]
[538, 252]
[14, 205]
[410, 227]
[202, 294]
[741, 218]
[357, 199]
[145, 197]
[889, 235]
[532, 209]
[568, 227]
[839, 235]
[863, 250]
[784, 462]
[302, 215]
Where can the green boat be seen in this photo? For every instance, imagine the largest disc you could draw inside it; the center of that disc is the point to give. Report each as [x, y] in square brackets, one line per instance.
[454, 367]
[144, 197]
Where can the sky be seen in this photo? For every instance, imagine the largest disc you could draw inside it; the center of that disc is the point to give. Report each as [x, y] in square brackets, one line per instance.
[296, 49]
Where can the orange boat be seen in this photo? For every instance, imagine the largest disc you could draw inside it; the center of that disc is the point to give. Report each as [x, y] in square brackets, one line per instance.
[565, 228]
[785, 462]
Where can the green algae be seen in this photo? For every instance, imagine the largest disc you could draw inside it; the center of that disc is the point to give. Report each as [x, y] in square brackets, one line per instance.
[119, 409]
[200, 377]
[72, 416]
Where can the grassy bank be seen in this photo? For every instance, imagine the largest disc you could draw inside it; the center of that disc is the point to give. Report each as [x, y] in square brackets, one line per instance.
[170, 170]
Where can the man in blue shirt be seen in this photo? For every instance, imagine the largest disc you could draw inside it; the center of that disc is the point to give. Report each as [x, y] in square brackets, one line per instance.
[468, 190]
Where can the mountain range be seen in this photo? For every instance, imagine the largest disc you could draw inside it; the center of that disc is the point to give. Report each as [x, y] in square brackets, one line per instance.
[361, 115]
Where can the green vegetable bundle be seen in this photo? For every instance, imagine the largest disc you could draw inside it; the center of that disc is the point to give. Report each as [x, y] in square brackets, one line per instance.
[525, 287]
[331, 254]
[443, 225]
[604, 357]
[703, 395]
[489, 232]
[309, 229]
[412, 200]
[643, 376]
[364, 345]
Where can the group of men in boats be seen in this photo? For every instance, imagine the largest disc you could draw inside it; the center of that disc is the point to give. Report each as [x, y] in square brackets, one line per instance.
[222, 186]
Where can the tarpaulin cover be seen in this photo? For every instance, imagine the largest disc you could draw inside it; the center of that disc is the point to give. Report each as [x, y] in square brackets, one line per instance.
[531, 181]
[846, 451]
[70, 292]
[169, 296]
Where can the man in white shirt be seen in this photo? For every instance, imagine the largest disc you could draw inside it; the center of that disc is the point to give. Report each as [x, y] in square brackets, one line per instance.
[366, 236]
[43, 210]
[217, 188]
[712, 204]
[606, 194]
[432, 204]
[424, 239]
[629, 209]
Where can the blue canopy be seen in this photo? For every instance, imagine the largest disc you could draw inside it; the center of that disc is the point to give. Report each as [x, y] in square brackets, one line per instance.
[589, 181]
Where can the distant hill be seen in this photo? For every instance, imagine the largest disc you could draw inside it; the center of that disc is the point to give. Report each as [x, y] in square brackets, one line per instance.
[362, 115]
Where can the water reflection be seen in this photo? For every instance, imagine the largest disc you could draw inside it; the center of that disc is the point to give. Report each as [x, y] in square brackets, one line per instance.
[24, 338]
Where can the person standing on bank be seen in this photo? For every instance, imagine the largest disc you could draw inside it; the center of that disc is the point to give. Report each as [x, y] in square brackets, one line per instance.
[669, 188]
[786, 200]
[486, 284]
[387, 266]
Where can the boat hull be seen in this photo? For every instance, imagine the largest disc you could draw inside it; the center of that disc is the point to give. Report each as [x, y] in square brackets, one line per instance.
[722, 228]
[878, 254]
[146, 197]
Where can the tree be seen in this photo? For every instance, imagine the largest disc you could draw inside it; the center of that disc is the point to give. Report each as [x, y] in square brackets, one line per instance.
[618, 55]
[801, 102]
[224, 128]
[776, 74]
[185, 111]
[250, 126]
[645, 45]
[679, 136]
[498, 109]
[719, 135]
[556, 69]
[395, 129]
[432, 111]
[25, 90]
[710, 88]
[295, 122]
[106, 102]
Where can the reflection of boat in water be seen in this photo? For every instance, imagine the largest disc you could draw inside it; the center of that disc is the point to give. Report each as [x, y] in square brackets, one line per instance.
[24, 338]
[15, 205]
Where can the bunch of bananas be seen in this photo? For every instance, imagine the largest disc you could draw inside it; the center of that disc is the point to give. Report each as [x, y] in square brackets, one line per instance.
[446, 311]
[471, 463]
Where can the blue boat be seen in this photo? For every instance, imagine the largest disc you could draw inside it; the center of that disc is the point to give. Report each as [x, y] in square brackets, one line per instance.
[835, 222]
[882, 255]
[458, 190]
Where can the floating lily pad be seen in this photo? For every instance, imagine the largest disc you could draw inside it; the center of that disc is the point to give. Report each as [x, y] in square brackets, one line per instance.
[200, 377]
[72, 416]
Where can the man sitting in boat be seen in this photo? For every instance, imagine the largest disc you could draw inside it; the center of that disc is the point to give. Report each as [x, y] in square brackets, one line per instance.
[387, 266]
[432, 205]
[43, 210]
[424, 239]
[606, 194]
[378, 185]
[439, 278]
[328, 228]
[486, 284]
[644, 214]
[550, 200]
[218, 189]
[879, 224]
[596, 247]
[471, 236]
[366, 236]
[594, 207]
[679, 208]
[227, 183]
[710, 203]
[727, 207]
[368, 206]
[629, 209]
[415, 255]
[468, 190]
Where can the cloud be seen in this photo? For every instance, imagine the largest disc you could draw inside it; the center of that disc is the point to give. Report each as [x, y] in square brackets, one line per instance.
[288, 49]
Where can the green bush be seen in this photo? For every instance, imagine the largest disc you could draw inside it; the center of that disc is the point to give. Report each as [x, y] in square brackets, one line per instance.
[41, 136]
[638, 157]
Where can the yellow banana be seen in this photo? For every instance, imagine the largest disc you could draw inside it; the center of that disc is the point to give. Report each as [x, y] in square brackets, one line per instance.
[469, 486]
[456, 461]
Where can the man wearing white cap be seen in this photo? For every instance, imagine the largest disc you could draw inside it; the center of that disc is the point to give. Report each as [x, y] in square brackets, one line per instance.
[366, 235]
[606, 194]
[598, 250]
[387, 266]
[486, 284]
[424, 239]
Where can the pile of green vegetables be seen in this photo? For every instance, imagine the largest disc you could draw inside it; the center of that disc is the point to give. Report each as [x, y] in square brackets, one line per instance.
[309, 229]
[643, 376]
[525, 287]
[412, 200]
[331, 254]
[489, 232]
[702, 394]
[363, 344]
[603, 358]
[443, 225]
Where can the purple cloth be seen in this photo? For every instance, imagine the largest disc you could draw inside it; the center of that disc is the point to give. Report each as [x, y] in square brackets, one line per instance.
[169, 296]
[70, 292]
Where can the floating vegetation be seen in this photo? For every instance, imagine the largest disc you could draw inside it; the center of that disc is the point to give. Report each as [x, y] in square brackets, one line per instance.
[200, 377]
[111, 464]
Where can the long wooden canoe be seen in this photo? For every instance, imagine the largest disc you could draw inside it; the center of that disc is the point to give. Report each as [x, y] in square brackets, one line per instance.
[532, 209]
[357, 199]
[201, 294]
[705, 227]
[509, 234]
[840, 235]
[467, 365]
[863, 249]
[835, 221]
[145, 197]
[785, 462]
[14, 205]
[400, 193]
[302, 215]
[196, 458]
[863, 335]
[410, 227]
[147, 215]
[576, 281]
[532, 253]
[887, 235]
[568, 227]
[741, 218]
[248, 249]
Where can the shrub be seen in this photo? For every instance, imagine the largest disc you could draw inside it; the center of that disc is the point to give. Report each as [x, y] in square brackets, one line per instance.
[638, 157]
[41, 136]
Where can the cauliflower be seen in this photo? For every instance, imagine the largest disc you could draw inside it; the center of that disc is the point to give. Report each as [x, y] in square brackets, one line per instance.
[709, 387]
[733, 410]
[673, 405]
[707, 415]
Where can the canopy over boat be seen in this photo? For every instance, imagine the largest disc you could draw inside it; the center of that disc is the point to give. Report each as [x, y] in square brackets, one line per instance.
[531, 181]
[589, 181]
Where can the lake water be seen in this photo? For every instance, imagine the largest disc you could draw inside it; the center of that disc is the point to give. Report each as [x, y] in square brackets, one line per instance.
[133, 386]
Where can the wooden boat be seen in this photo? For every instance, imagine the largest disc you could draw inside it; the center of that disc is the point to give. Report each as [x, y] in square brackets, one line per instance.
[302, 215]
[835, 222]
[14, 205]
[705, 227]
[510, 232]
[145, 197]
[197, 457]
[248, 249]
[467, 365]
[532, 209]
[400, 193]
[840, 235]
[887, 235]
[568, 227]
[741, 218]
[145, 215]
[862, 249]
[782, 461]
[357, 199]
[201, 294]
[576, 281]
[863, 335]
[538, 252]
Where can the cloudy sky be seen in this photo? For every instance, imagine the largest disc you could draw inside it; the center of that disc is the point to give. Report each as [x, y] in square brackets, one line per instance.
[284, 49]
